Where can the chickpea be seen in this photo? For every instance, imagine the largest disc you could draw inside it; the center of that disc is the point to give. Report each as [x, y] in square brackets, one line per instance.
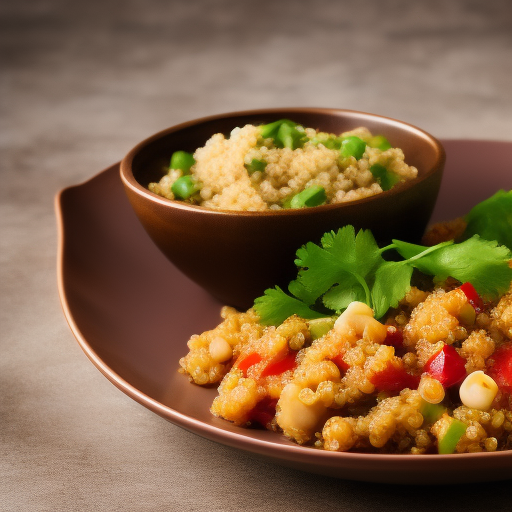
[220, 350]
[478, 390]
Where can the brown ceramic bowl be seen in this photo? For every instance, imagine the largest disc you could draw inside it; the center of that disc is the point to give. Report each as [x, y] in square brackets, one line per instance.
[237, 255]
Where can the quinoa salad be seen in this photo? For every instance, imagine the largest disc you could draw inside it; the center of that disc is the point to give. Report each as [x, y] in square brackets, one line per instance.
[283, 165]
[423, 367]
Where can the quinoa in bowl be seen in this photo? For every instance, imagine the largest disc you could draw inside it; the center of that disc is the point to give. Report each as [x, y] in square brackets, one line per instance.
[283, 165]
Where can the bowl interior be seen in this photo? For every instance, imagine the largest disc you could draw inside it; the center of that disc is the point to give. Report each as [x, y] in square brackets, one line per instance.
[151, 157]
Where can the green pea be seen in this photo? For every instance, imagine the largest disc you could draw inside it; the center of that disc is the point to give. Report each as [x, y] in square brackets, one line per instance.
[379, 142]
[256, 165]
[353, 146]
[184, 187]
[311, 196]
[386, 179]
[182, 160]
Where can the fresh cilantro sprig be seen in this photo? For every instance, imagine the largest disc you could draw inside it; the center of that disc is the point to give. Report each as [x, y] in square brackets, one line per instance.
[492, 219]
[346, 267]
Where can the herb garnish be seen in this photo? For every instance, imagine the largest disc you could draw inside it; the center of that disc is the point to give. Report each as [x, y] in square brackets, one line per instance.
[346, 267]
[492, 219]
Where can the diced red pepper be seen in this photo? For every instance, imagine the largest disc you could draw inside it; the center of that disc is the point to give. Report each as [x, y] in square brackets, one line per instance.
[473, 298]
[340, 363]
[447, 366]
[249, 361]
[501, 370]
[394, 378]
[281, 366]
[264, 411]
[394, 337]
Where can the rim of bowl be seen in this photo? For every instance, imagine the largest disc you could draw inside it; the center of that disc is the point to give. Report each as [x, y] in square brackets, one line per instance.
[129, 179]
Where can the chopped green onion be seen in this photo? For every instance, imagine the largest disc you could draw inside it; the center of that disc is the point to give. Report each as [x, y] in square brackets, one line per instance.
[256, 165]
[379, 142]
[353, 146]
[311, 196]
[184, 187]
[386, 179]
[182, 160]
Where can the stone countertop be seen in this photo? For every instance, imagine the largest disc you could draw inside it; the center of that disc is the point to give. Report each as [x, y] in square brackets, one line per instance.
[83, 82]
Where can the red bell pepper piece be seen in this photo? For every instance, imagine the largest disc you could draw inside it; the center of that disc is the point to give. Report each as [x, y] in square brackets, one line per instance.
[281, 366]
[264, 411]
[446, 366]
[249, 361]
[473, 298]
[340, 363]
[394, 337]
[501, 370]
[394, 378]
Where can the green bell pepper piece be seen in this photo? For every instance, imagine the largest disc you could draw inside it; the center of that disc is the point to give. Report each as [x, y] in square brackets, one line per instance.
[386, 179]
[285, 133]
[431, 412]
[452, 436]
[270, 130]
[311, 196]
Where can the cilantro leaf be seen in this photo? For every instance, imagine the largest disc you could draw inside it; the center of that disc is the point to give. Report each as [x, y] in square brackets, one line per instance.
[409, 251]
[297, 289]
[320, 269]
[275, 306]
[492, 219]
[342, 257]
[481, 262]
[392, 282]
[340, 296]
[346, 267]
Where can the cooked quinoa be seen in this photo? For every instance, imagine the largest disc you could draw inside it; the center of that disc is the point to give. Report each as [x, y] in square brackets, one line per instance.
[363, 385]
[223, 178]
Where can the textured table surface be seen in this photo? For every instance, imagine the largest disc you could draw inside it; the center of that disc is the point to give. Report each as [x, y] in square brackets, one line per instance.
[81, 83]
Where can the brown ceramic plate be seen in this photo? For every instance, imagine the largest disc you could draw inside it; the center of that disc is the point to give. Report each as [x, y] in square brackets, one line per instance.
[132, 313]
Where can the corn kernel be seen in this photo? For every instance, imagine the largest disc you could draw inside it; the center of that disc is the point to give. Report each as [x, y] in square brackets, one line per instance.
[478, 391]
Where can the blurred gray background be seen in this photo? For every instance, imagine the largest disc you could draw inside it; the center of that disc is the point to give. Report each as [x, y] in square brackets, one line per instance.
[80, 84]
